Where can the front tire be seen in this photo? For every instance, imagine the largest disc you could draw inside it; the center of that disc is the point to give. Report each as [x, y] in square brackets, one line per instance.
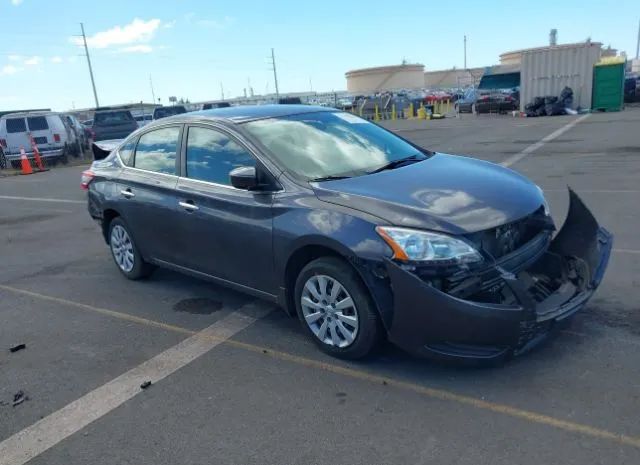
[125, 253]
[336, 310]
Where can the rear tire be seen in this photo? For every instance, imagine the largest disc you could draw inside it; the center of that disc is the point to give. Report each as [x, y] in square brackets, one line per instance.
[125, 252]
[350, 331]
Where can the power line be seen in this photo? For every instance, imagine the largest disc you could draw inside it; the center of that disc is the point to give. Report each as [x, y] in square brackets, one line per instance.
[86, 50]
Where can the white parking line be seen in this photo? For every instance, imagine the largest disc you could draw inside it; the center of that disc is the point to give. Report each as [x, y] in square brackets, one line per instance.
[52, 429]
[533, 147]
[41, 199]
[631, 251]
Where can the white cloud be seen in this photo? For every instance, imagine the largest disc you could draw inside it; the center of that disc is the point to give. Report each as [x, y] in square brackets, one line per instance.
[169, 24]
[138, 31]
[7, 70]
[56, 59]
[216, 23]
[16, 2]
[137, 49]
[14, 57]
[33, 61]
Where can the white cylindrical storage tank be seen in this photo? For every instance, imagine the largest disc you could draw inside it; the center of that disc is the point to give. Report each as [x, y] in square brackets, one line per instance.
[366, 80]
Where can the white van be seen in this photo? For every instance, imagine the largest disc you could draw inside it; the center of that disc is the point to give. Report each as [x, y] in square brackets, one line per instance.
[53, 137]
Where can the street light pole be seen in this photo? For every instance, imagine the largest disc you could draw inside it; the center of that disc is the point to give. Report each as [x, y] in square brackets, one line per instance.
[465, 52]
[86, 50]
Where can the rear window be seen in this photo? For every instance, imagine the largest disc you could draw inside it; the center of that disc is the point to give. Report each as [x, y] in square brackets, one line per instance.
[112, 117]
[37, 123]
[16, 125]
[168, 111]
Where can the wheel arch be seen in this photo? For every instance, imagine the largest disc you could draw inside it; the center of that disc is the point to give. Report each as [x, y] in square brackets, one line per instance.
[312, 250]
[107, 217]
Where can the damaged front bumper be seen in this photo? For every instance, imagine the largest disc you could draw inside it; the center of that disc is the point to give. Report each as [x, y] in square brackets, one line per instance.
[508, 307]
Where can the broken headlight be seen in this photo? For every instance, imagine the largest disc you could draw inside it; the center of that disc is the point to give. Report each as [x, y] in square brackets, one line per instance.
[427, 247]
[547, 212]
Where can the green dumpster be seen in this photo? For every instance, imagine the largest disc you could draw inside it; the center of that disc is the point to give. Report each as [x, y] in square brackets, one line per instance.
[608, 84]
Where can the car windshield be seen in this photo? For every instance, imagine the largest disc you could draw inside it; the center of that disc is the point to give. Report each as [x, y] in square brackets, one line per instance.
[112, 117]
[327, 144]
[168, 111]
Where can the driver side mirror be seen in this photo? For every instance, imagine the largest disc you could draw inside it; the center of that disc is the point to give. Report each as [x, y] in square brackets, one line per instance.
[244, 177]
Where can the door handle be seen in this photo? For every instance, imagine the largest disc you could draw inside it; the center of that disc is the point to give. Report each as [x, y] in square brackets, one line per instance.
[127, 193]
[189, 206]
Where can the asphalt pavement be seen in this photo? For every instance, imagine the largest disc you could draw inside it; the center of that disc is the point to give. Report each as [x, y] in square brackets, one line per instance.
[235, 381]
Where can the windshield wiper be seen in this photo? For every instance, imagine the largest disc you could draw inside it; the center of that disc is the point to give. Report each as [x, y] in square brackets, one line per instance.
[399, 162]
[328, 178]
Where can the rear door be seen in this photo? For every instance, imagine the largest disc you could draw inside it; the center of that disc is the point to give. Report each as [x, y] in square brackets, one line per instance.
[147, 191]
[17, 135]
[227, 232]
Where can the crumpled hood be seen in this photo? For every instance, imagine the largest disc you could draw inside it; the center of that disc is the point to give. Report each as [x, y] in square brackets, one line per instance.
[445, 193]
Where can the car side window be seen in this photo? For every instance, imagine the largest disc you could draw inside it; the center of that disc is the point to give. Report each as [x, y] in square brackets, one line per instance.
[211, 155]
[156, 150]
[126, 152]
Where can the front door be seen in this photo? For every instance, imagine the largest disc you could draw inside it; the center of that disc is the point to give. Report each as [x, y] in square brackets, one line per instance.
[226, 231]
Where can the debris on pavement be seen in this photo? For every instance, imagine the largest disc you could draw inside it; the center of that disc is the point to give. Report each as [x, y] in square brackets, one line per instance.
[19, 397]
[17, 348]
[145, 385]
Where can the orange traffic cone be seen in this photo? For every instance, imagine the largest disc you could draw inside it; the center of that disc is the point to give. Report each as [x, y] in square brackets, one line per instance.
[24, 162]
[36, 154]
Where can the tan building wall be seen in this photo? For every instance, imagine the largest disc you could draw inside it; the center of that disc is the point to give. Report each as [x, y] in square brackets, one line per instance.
[449, 78]
[515, 57]
[385, 78]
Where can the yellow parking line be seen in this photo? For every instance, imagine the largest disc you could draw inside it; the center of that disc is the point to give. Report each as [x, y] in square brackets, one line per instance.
[102, 311]
[440, 394]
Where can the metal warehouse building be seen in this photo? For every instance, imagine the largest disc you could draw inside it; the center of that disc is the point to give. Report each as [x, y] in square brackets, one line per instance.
[405, 76]
[547, 70]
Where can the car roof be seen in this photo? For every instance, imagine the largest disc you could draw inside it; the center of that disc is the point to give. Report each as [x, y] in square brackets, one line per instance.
[245, 113]
[26, 114]
[111, 110]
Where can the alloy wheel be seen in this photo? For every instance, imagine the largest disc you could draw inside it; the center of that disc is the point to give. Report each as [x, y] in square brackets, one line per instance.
[122, 248]
[329, 311]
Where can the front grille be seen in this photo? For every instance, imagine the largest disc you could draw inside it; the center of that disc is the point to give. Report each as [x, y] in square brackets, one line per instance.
[504, 239]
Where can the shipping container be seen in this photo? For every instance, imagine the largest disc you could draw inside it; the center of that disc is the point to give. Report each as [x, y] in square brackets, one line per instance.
[547, 71]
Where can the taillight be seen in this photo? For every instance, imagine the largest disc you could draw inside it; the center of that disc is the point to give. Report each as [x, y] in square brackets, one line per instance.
[3, 142]
[56, 137]
[86, 178]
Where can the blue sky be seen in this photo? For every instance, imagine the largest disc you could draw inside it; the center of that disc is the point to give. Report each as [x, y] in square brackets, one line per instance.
[189, 47]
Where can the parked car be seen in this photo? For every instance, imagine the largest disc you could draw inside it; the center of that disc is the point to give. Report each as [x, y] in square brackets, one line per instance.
[211, 106]
[163, 112]
[112, 124]
[48, 130]
[488, 101]
[143, 120]
[356, 230]
[78, 130]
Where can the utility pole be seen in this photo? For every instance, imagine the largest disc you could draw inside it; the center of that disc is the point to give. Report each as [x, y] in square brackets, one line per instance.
[153, 94]
[275, 73]
[638, 43]
[86, 50]
[465, 52]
